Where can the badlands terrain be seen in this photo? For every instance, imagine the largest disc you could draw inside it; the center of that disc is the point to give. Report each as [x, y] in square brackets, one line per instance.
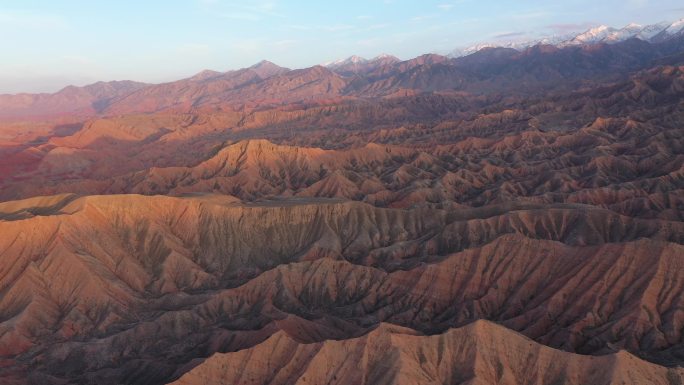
[506, 217]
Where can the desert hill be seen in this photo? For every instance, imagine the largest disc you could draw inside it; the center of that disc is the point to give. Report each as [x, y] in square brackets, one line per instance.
[512, 216]
[481, 353]
[156, 283]
[617, 147]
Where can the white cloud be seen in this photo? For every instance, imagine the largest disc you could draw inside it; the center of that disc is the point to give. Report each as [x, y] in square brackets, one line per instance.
[30, 20]
[299, 27]
[638, 3]
[339, 27]
[420, 18]
[239, 15]
[78, 59]
[283, 45]
[378, 26]
[194, 49]
[529, 15]
[372, 42]
[248, 45]
[235, 10]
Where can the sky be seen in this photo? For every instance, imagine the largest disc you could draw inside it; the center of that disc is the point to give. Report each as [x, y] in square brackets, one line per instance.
[48, 44]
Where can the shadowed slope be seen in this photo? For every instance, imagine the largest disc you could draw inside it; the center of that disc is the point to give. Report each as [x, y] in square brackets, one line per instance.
[617, 147]
[154, 283]
[481, 353]
[308, 213]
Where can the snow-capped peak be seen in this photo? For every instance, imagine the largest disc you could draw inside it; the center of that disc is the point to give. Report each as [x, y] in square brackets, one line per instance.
[595, 35]
[384, 59]
[385, 56]
[354, 59]
[676, 27]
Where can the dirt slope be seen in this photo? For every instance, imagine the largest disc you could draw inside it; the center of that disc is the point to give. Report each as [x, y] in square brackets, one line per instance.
[481, 353]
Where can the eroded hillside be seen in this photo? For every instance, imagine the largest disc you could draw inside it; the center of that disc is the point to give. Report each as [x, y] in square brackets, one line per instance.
[507, 217]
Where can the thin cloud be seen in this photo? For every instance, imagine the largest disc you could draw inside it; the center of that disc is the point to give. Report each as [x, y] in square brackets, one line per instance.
[529, 15]
[284, 44]
[508, 35]
[78, 59]
[244, 16]
[339, 27]
[248, 45]
[372, 42]
[569, 27]
[194, 49]
[30, 20]
[239, 11]
[378, 26]
[420, 18]
[638, 3]
[299, 27]
[450, 5]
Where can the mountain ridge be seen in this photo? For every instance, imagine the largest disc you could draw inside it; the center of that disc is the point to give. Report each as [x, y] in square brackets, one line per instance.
[488, 71]
[511, 217]
[599, 34]
[384, 75]
[407, 357]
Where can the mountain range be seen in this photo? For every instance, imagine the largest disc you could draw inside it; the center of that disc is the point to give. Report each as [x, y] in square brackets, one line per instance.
[487, 71]
[600, 34]
[507, 217]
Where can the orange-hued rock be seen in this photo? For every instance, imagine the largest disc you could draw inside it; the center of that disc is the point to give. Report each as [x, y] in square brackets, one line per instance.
[481, 353]
[399, 222]
[138, 289]
[42, 205]
[541, 151]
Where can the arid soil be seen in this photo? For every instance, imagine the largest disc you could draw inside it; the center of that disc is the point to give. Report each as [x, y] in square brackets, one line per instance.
[504, 218]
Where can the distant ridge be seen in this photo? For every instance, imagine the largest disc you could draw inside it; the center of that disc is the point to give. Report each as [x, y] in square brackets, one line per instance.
[600, 53]
[652, 33]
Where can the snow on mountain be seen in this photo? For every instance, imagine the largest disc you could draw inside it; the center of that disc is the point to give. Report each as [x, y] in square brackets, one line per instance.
[344, 62]
[356, 64]
[384, 56]
[595, 35]
[675, 28]
[650, 31]
[478, 47]
[599, 34]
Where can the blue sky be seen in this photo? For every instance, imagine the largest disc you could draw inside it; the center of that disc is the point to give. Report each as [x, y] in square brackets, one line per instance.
[47, 44]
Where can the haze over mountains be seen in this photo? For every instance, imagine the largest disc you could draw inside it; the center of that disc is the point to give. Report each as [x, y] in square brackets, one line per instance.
[510, 216]
[601, 52]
